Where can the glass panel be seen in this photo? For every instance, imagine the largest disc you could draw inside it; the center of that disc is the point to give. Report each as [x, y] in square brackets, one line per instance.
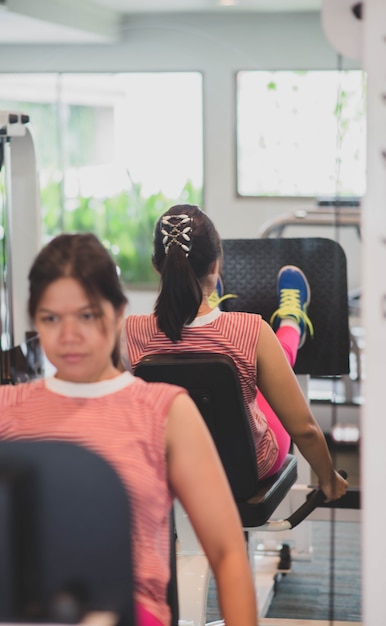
[301, 133]
[114, 151]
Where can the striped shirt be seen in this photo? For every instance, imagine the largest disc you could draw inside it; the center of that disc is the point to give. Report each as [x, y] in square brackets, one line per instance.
[233, 333]
[123, 420]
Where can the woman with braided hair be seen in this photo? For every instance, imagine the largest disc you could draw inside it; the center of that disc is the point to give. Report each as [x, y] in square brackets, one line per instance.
[187, 253]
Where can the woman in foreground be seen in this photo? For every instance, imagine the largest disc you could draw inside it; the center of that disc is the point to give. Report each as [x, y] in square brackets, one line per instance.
[151, 433]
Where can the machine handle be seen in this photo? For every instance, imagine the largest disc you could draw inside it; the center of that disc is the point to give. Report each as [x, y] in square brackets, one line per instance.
[314, 499]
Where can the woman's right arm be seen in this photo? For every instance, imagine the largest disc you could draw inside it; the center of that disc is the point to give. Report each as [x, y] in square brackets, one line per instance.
[279, 385]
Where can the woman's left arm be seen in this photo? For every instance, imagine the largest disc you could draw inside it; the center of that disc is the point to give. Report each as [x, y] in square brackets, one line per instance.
[199, 482]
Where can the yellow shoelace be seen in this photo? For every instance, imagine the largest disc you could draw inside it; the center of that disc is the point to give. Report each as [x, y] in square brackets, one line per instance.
[214, 299]
[290, 307]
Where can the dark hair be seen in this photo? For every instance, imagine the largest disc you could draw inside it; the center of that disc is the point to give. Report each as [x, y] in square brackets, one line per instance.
[184, 261]
[80, 256]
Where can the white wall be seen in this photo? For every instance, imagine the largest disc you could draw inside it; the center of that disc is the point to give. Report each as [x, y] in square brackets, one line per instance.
[218, 46]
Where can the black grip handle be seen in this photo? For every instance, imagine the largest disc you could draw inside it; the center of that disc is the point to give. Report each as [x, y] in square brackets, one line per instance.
[314, 499]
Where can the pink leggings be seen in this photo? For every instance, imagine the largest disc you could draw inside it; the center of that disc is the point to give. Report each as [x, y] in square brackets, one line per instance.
[143, 617]
[289, 339]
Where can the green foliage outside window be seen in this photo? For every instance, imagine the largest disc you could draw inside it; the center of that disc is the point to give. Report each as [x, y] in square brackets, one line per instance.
[83, 160]
[124, 223]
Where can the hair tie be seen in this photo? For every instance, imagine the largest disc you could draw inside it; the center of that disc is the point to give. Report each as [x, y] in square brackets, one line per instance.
[177, 232]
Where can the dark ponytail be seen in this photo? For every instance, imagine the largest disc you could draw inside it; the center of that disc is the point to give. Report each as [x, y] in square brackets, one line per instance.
[186, 244]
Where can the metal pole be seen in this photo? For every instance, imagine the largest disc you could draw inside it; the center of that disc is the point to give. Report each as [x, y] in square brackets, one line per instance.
[8, 335]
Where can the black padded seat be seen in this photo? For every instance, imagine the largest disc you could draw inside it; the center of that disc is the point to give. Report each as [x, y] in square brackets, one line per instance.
[257, 510]
[213, 383]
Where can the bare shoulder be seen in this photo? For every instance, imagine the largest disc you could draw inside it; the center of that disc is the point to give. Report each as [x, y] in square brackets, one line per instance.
[185, 424]
[183, 408]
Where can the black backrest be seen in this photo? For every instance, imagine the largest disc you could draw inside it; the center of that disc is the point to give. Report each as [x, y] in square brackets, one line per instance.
[213, 383]
[250, 270]
[65, 534]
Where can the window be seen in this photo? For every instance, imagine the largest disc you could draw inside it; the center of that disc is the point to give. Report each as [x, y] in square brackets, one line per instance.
[114, 151]
[301, 133]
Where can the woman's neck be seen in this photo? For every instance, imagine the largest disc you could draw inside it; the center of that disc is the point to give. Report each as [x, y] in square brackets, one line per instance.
[204, 308]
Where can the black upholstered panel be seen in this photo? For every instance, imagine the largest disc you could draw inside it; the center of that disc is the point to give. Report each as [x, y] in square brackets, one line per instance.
[65, 537]
[213, 383]
[250, 270]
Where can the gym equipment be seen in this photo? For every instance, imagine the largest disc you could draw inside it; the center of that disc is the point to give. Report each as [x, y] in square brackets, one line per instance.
[65, 540]
[213, 383]
[20, 227]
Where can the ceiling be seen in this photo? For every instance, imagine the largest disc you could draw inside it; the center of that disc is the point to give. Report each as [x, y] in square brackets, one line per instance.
[141, 6]
[86, 21]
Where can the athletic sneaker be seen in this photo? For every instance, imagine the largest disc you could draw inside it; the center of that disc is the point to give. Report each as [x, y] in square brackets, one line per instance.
[217, 296]
[294, 297]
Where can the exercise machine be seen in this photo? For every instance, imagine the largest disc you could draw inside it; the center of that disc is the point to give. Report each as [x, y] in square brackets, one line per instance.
[20, 240]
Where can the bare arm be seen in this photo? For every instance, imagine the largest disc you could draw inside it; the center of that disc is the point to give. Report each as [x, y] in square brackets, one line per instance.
[199, 482]
[278, 384]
